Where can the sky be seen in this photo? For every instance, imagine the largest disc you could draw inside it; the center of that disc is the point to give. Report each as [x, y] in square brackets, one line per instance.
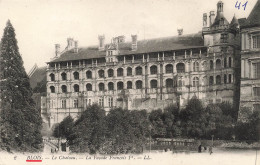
[40, 24]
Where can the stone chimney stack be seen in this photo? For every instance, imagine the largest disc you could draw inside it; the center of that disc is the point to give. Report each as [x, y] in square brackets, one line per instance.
[211, 17]
[70, 42]
[180, 31]
[134, 42]
[101, 45]
[76, 49]
[205, 20]
[57, 50]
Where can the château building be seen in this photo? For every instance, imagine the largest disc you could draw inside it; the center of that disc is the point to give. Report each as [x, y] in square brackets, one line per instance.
[250, 60]
[146, 74]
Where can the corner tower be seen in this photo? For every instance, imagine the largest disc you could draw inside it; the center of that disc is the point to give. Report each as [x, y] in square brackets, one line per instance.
[222, 41]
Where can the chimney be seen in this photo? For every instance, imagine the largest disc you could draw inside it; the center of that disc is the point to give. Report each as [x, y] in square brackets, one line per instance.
[121, 39]
[101, 45]
[57, 50]
[76, 49]
[134, 42]
[211, 17]
[180, 32]
[205, 21]
[70, 43]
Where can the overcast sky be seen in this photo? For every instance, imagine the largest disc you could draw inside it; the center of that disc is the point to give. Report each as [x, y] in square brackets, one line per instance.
[40, 24]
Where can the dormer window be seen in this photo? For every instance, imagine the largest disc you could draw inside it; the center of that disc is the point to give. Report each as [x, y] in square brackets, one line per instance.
[221, 21]
[256, 41]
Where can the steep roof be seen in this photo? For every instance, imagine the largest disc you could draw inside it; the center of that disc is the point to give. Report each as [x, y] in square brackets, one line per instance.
[254, 17]
[218, 19]
[38, 76]
[143, 46]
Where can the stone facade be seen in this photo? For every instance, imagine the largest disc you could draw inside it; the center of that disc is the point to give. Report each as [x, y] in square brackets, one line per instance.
[250, 60]
[148, 74]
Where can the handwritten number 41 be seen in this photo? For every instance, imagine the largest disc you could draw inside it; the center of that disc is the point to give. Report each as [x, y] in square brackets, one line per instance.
[238, 5]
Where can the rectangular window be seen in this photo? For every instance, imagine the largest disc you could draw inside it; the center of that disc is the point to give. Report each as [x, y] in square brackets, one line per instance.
[256, 91]
[256, 67]
[110, 102]
[89, 101]
[101, 102]
[224, 38]
[256, 41]
[63, 103]
[76, 103]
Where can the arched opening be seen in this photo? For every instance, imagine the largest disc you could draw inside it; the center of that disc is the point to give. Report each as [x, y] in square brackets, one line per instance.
[110, 72]
[180, 68]
[225, 78]
[64, 76]
[211, 65]
[218, 79]
[89, 87]
[119, 72]
[129, 84]
[153, 69]
[76, 75]
[120, 85]
[138, 70]
[52, 77]
[218, 64]
[101, 86]
[205, 81]
[153, 83]
[181, 83]
[229, 78]
[110, 86]
[230, 62]
[204, 65]
[225, 62]
[196, 66]
[64, 89]
[129, 71]
[139, 84]
[211, 80]
[169, 83]
[195, 82]
[169, 68]
[89, 75]
[52, 88]
[76, 88]
[101, 73]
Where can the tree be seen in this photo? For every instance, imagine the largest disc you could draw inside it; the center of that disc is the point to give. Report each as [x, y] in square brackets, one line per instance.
[248, 129]
[157, 123]
[194, 119]
[64, 128]
[228, 109]
[171, 119]
[88, 133]
[127, 131]
[20, 120]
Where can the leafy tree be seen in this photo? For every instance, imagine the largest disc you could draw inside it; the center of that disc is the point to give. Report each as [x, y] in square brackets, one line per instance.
[127, 131]
[219, 124]
[194, 119]
[249, 129]
[157, 123]
[64, 128]
[88, 133]
[20, 121]
[171, 119]
[228, 109]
